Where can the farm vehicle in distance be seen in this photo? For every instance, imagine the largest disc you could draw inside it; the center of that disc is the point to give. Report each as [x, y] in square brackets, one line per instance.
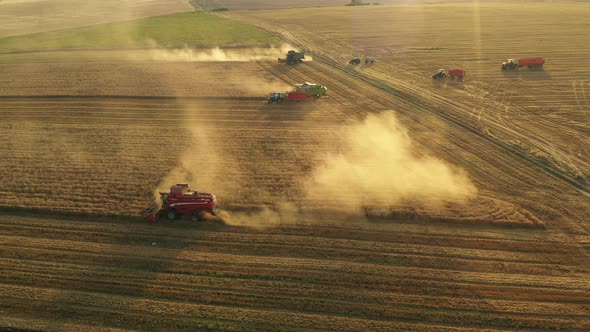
[292, 57]
[357, 60]
[181, 200]
[531, 63]
[354, 61]
[302, 92]
[451, 73]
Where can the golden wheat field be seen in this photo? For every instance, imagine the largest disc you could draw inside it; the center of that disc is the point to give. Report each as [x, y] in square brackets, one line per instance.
[393, 203]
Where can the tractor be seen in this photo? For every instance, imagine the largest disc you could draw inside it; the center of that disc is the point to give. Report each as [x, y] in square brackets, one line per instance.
[355, 61]
[441, 73]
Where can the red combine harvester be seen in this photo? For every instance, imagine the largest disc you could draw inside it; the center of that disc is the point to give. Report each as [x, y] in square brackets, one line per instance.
[181, 201]
[531, 63]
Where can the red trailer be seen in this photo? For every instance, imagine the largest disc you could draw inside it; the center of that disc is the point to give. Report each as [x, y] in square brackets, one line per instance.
[296, 96]
[458, 73]
[531, 62]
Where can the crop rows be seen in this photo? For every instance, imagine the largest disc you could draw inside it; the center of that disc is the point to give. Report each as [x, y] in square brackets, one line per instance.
[107, 155]
[538, 115]
[382, 276]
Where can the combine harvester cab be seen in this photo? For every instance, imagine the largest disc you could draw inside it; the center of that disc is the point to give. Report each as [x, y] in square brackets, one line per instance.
[181, 200]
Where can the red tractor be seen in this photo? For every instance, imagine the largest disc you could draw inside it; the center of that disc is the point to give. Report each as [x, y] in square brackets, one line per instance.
[182, 201]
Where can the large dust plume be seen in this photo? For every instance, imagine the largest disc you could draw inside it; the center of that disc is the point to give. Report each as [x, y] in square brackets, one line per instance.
[263, 218]
[380, 165]
[199, 164]
[245, 54]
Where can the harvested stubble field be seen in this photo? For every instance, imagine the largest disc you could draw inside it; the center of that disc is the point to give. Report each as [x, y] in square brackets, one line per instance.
[98, 135]
[92, 275]
[543, 114]
[454, 268]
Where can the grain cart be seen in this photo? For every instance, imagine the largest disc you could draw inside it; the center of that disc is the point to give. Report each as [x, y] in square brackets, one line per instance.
[451, 73]
[531, 63]
[181, 200]
[302, 92]
[370, 60]
[456, 73]
[293, 57]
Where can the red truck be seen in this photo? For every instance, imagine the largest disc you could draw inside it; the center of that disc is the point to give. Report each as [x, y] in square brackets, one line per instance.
[181, 200]
[531, 63]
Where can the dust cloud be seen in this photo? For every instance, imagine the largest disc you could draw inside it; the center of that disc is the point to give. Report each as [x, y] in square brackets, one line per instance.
[217, 54]
[198, 165]
[266, 217]
[381, 165]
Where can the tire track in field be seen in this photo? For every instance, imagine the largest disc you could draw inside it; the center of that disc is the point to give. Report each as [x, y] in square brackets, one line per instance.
[192, 274]
[580, 94]
[427, 107]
